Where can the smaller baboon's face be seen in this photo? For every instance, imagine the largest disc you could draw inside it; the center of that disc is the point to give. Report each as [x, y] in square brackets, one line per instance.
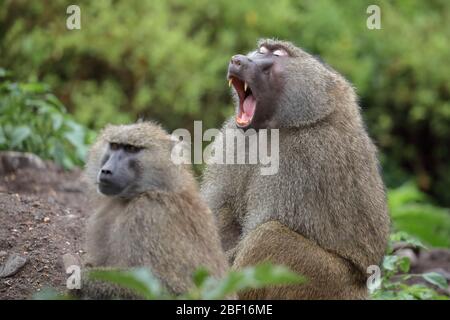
[119, 171]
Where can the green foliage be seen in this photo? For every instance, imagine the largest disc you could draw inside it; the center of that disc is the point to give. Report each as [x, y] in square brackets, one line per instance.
[50, 294]
[34, 120]
[395, 274]
[205, 287]
[411, 213]
[167, 60]
[140, 281]
[251, 277]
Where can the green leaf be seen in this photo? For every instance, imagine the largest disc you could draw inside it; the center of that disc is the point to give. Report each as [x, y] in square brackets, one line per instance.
[138, 280]
[436, 278]
[200, 276]
[390, 263]
[49, 294]
[409, 212]
[2, 137]
[405, 194]
[4, 73]
[18, 135]
[408, 239]
[252, 277]
[404, 264]
[57, 121]
[34, 87]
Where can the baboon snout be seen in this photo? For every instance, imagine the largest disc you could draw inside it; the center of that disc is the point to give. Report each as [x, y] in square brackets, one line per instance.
[106, 172]
[239, 60]
[238, 63]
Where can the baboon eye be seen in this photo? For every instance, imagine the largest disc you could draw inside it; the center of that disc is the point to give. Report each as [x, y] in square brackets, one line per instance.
[280, 53]
[131, 149]
[114, 146]
[263, 50]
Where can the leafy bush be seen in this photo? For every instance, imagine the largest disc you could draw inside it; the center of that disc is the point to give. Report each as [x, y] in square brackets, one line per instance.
[411, 212]
[395, 274]
[205, 287]
[34, 120]
[167, 60]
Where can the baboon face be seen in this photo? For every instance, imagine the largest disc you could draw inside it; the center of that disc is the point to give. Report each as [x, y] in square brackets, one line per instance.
[118, 174]
[127, 160]
[256, 79]
[279, 85]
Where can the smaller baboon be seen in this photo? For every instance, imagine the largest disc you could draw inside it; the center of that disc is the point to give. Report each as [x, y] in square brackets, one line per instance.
[148, 213]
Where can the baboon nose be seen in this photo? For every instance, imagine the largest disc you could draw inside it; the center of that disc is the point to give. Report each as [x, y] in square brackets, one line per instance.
[239, 60]
[106, 172]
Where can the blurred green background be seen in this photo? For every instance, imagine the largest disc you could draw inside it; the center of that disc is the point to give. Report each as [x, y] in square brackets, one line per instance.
[167, 60]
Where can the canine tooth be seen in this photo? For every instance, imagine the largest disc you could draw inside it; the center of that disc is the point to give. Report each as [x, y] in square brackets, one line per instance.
[229, 82]
[245, 86]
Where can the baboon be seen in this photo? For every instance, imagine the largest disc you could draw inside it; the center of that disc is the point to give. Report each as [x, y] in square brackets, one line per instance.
[324, 213]
[147, 213]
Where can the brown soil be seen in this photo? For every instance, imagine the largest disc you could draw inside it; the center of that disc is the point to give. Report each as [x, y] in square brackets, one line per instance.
[42, 217]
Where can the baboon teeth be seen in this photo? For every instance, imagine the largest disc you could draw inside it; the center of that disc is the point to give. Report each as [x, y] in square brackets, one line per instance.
[245, 86]
[230, 81]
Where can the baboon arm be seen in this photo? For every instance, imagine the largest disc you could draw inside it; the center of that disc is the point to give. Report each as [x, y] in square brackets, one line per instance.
[229, 230]
[328, 275]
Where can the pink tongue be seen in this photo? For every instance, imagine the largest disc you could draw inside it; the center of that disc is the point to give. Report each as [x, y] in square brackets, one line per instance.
[249, 106]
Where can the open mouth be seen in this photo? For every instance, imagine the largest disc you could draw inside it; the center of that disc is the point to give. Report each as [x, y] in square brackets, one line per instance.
[247, 102]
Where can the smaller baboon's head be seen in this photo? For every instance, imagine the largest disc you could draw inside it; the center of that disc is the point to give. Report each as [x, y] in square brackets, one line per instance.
[130, 159]
[279, 85]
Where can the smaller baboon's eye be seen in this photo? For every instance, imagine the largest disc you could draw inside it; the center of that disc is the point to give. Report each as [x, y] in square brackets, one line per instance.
[263, 50]
[280, 53]
[131, 149]
[114, 146]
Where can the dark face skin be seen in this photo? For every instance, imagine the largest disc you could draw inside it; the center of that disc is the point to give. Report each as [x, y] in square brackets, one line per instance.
[119, 171]
[257, 79]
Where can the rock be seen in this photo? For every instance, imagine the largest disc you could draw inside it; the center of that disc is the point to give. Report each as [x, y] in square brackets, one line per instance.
[38, 216]
[3, 253]
[441, 255]
[11, 161]
[410, 254]
[14, 263]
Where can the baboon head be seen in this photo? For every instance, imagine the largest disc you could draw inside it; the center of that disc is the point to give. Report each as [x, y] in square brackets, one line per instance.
[279, 85]
[130, 159]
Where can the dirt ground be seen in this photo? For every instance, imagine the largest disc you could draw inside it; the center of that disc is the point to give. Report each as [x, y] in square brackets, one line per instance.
[42, 217]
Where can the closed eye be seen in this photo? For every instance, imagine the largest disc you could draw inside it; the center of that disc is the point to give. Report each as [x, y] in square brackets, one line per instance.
[263, 50]
[131, 149]
[280, 53]
[114, 146]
